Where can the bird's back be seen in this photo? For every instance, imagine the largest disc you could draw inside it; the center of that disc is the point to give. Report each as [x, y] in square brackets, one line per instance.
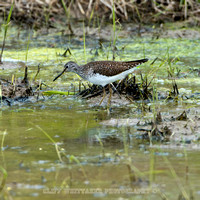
[111, 68]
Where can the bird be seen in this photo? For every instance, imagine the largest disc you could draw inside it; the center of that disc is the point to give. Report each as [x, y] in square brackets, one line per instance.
[103, 72]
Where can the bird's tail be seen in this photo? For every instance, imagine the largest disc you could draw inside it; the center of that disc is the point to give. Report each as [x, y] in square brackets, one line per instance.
[138, 61]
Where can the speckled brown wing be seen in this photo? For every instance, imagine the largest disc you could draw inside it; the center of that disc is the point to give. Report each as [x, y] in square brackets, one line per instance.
[111, 68]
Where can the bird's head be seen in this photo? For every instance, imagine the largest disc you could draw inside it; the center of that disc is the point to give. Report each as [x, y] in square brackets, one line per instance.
[71, 67]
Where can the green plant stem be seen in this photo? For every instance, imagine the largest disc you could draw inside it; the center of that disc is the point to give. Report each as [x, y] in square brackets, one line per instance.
[5, 31]
[1, 99]
[173, 172]
[114, 24]
[84, 46]
[3, 182]
[65, 8]
[101, 144]
[27, 48]
[3, 138]
[114, 30]
[53, 141]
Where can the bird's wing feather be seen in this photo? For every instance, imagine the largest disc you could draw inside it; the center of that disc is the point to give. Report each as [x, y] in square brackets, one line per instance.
[111, 68]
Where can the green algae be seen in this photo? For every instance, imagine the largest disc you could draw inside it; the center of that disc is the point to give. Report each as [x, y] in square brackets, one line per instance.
[180, 49]
[31, 159]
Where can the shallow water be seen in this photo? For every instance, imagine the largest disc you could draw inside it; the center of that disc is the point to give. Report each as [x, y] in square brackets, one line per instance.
[34, 170]
[124, 167]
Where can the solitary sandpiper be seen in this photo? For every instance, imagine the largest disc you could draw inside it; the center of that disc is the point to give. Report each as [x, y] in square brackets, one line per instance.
[103, 72]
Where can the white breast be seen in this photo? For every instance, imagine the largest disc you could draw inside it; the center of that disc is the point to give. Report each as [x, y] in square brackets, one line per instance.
[102, 80]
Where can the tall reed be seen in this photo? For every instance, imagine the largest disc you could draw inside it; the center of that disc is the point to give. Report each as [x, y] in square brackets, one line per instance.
[5, 31]
[84, 46]
[114, 30]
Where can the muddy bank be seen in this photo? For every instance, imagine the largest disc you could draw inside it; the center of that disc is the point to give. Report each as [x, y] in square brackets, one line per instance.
[173, 130]
[19, 90]
[128, 30]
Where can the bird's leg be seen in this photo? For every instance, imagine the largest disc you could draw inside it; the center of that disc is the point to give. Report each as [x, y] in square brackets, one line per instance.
[110, 91]
[115, 90]
[104, 94]
[121, 81]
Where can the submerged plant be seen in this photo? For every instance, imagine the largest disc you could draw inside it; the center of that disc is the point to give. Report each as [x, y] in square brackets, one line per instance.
[61, 153]
[180, 186]
[3, 138]
[3, 182]
[2, 170]
[6, 25]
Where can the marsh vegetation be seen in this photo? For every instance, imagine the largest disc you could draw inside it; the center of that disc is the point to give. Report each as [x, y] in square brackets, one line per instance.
[55, 139]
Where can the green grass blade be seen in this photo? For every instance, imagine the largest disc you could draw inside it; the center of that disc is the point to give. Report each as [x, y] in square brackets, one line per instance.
[3, 182]
[176, 178]
[10, 12]
[3, 138]
[52, 92]
[114, 24]
[5, 30]
[73, 158]
[27, 48]
[58, 151]
[1, 100]
[65, 8]
[84, 46]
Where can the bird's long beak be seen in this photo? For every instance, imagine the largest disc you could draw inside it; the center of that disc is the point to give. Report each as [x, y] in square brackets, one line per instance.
[60, 74]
